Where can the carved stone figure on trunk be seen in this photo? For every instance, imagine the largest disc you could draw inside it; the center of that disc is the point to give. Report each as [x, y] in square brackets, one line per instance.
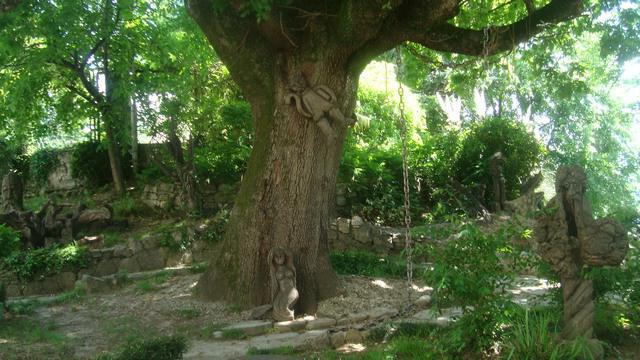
[499, 191]
[569, 238]
[283, 284]
[319, 103]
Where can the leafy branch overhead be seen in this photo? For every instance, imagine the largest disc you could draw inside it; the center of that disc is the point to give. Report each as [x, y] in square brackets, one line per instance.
[249, 35]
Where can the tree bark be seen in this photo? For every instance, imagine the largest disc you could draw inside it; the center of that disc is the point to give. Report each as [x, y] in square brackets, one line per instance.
[12, 193]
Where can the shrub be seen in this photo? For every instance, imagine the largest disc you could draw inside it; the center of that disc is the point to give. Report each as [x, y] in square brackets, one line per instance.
[30, 263]
[367, 264]
[125, 207]
[9, 241]
[161, 348]
[90, 163]
[520, 148]
[41, 164]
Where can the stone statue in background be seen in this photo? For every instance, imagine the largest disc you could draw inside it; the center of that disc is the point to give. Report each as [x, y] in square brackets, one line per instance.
[499, 191]
[569, 238]
[283, 284]
[319, 103]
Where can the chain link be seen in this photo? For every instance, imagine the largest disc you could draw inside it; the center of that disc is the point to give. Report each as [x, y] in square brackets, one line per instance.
[405, 174]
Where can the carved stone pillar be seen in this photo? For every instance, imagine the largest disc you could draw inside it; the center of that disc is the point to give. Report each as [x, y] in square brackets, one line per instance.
[569, 238]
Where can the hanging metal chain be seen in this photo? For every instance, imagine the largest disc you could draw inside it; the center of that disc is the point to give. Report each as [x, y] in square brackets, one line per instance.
[405, 174]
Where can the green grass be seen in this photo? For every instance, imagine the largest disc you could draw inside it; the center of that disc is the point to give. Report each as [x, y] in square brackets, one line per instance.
[233, 334]
[145, 286]
[26, 307]
[188, 313]
[159, 348]
[207, 331]
[282, 350]
[367, 264]
[113, 238]
[30, 331]
[127, 328]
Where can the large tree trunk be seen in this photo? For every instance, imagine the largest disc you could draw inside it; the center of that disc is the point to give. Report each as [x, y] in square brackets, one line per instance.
[285, 197]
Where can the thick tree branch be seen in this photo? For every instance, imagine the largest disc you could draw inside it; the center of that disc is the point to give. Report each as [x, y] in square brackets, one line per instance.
[409, 16]
[415, 22]
[500, 38]
[249, 57]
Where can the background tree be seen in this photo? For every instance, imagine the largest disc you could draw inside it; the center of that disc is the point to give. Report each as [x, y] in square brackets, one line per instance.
[284, 199]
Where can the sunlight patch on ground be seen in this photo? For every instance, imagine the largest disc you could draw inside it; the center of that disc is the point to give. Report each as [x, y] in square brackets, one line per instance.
[351, 348]
[381, 283]
[421, 288]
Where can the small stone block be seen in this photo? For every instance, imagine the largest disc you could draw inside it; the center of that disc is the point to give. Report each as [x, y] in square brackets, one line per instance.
[251, 328]
[310, 340]
[353, 337]
[217, 335]
[344, 225]
[289, 326]
[338, 339]
[322, 323]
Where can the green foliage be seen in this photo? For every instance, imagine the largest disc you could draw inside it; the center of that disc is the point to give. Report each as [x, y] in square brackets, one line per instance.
[35, 203]
[9, 241]
[217, 226]
[12, 156]
[354, 262]
[31, 263]
[172, 244]
[41, 164]
[531, 336]
[151, 174]
[90, 162]
[372, 165]
[468, 268]
[126, 207]
[228, 144]
[519, 146]
[160, 348]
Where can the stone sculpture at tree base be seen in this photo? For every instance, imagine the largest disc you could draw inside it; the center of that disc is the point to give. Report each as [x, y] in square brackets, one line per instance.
[283, 284]
[569, 238]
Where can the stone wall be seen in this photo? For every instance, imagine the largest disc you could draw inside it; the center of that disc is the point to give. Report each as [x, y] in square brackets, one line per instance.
[357, 234]
[60, 178]
[169, 196]
[137, 255]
